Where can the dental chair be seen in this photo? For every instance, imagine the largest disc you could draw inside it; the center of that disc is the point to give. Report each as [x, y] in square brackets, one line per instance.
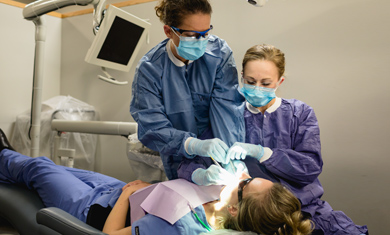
[24, 211]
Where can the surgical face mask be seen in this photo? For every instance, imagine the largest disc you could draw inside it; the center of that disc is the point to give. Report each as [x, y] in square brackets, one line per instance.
[257, 96]
[191, 48]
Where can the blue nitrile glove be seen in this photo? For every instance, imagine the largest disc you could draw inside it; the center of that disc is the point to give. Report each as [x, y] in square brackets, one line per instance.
[214, 175]
[241, 150]
[214, 148]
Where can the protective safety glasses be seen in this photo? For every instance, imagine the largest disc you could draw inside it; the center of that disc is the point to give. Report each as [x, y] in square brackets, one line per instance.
[241, 187]
[192, 33]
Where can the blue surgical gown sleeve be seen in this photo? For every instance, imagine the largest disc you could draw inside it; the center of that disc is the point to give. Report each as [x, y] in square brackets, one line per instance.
[171, 103]
[302, 163]
[227, 104]
[148, 109]
[188, 166]
[293, 135]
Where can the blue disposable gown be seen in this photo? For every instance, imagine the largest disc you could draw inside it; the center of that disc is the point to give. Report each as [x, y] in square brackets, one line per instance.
[291, 135]
[172, 101]
[289, 132]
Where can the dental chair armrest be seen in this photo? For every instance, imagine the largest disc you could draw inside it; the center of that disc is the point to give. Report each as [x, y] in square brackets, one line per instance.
[64, 223]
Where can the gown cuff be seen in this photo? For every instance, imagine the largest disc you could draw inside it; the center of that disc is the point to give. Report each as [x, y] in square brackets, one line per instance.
[186, 144]
[267, 154]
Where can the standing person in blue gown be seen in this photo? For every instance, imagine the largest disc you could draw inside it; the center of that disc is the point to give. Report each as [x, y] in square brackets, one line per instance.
[282, 143]
[187, 85]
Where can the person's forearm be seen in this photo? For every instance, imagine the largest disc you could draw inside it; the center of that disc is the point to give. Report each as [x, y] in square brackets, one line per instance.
[117, 218]
[116, 221]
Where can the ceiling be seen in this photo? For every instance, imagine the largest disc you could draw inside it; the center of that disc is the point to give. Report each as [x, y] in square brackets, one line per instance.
[75, 10]
[25, 1]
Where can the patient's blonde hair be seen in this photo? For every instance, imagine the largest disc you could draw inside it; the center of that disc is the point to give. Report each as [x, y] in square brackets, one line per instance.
[277, 212]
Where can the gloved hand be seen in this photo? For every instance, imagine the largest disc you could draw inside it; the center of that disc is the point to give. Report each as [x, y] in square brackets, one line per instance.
[214, 148]
[236, 167]
[241, 150]
[214, 175]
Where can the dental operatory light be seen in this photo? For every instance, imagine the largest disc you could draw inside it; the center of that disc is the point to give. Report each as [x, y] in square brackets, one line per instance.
[257, 3]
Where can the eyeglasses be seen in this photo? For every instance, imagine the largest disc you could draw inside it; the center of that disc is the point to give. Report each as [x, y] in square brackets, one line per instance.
[192, 33]
[241, 187]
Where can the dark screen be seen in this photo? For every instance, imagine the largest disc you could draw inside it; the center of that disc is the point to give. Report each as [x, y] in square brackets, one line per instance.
[120, 42]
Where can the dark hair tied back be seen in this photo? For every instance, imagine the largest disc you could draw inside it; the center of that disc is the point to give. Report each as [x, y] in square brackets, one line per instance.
[173, 12]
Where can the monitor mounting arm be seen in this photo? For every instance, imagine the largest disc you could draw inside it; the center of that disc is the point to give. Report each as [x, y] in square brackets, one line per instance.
[32, 12]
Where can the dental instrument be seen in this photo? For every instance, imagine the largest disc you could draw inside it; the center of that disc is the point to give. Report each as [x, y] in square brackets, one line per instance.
[215, 162]
[233, 167]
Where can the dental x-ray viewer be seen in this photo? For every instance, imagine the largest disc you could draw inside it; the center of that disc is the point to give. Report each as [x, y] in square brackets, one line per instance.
[186, 85]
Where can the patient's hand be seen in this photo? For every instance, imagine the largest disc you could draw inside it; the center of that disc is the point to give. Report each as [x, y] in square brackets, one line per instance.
[135, 185]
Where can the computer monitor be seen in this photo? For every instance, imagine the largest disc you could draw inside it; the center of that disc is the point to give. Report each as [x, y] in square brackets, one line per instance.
[118, 40]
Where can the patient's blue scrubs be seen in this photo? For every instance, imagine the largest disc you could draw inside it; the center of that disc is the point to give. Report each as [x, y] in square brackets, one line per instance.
[289, 132]
[75, 190]
[172, 101]
[187, 225]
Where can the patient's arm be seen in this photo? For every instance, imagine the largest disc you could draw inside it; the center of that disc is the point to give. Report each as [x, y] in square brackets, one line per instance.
[116, 221]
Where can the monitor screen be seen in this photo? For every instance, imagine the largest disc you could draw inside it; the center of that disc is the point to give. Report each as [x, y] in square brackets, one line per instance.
[118, 40]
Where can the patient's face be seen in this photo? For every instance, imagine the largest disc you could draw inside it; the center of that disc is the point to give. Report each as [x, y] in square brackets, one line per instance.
[229, 194]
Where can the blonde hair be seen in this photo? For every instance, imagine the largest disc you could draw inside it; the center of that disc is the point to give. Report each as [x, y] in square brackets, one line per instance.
[173, 12]
[277, 212]
[268, 53]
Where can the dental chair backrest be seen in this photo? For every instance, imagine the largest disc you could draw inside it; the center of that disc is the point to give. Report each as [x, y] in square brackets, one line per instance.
[18, 206]
[24, 211]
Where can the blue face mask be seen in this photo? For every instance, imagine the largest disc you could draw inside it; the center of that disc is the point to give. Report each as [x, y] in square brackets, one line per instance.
[191, 48]
[257, 96]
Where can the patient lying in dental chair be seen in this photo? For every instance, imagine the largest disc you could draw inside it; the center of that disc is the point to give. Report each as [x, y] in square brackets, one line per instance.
[103, 201]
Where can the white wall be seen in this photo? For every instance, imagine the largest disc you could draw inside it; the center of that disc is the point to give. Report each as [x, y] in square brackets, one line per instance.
[337, 61]
[337, 57]
[79, 80]
[17, 44]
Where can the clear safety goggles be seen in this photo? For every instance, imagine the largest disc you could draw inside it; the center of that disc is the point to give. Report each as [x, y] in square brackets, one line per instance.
[193, 33]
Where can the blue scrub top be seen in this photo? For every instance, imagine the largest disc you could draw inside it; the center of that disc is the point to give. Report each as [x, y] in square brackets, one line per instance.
[172, 101]
[187, 225]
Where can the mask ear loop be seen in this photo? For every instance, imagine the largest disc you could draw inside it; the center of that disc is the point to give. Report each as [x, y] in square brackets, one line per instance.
[279, 82]
[174, 42]
[175, 32]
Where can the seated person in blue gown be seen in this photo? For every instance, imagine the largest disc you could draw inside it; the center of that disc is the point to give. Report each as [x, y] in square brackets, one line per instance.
[246, 205]
[282, 143]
